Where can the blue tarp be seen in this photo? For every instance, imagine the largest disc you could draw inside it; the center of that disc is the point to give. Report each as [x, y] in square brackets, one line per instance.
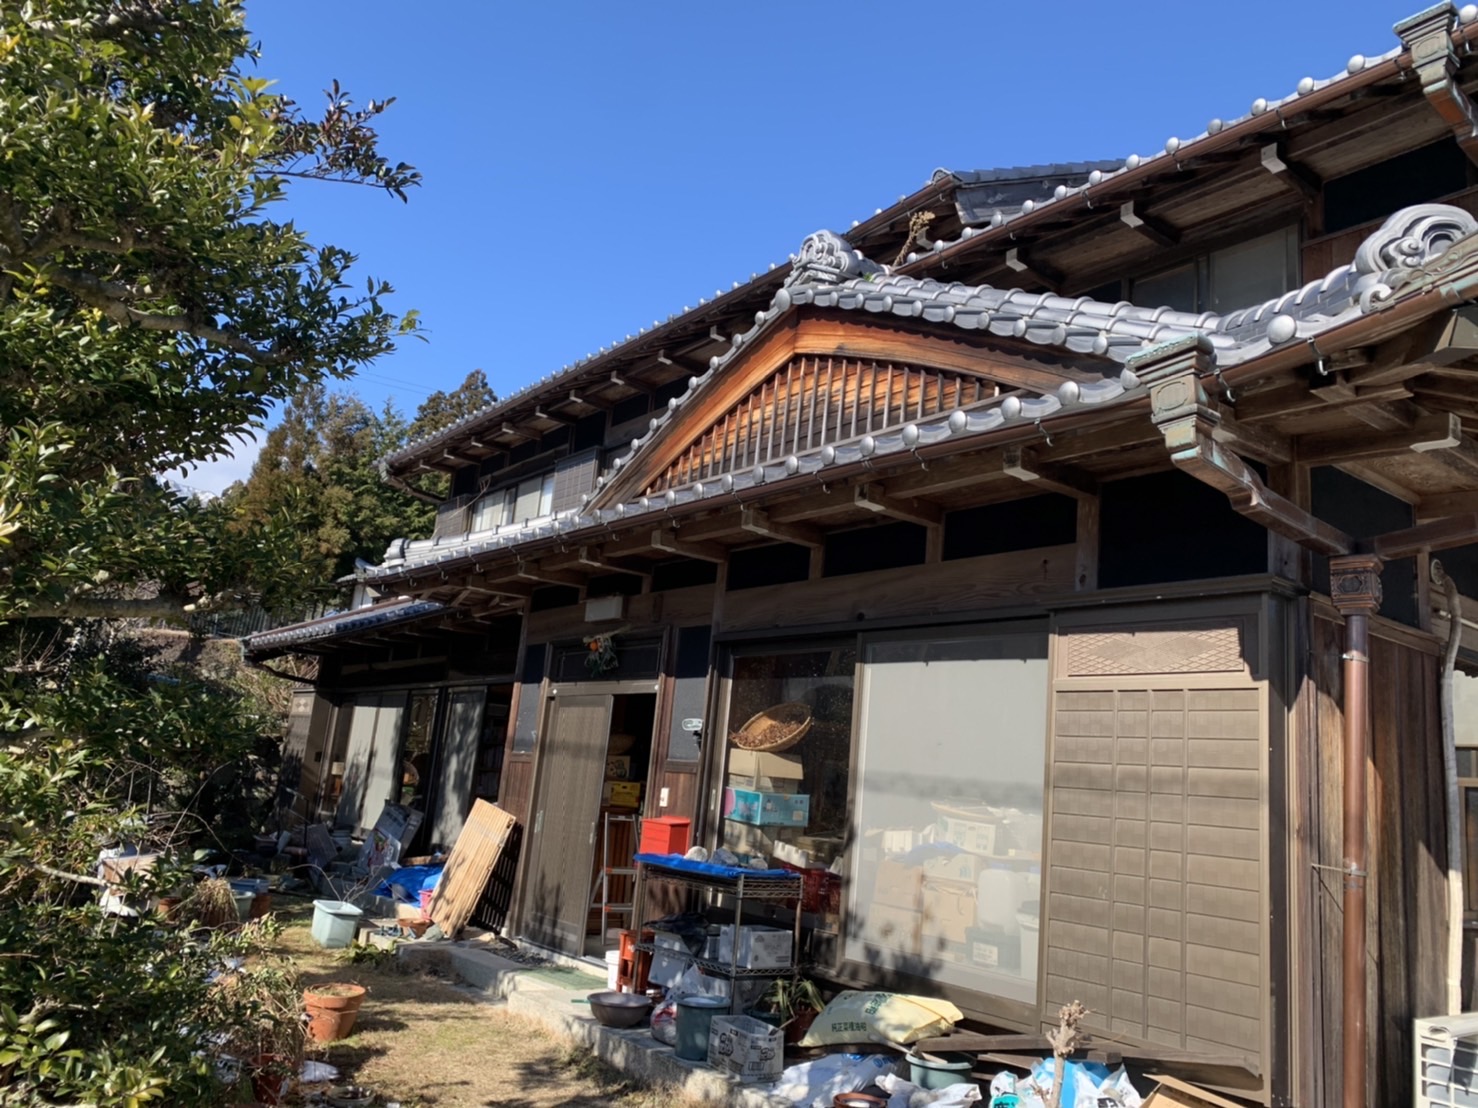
[406, 883]
[709, 869]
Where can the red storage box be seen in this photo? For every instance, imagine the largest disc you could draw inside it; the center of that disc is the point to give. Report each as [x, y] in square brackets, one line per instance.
[666, 835]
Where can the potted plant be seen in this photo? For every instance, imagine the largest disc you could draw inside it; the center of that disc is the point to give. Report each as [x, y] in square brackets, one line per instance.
[211, 904]
[332, 1010]
[791, 1003]
[261, 1007]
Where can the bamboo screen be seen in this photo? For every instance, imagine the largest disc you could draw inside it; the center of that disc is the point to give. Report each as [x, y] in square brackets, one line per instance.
[818, 400]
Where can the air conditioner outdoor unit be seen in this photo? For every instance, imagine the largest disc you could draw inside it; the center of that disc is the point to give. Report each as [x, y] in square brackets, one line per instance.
[1446, 1061]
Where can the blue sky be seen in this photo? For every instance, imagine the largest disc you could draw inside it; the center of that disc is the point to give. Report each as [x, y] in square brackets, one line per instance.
[591, 167]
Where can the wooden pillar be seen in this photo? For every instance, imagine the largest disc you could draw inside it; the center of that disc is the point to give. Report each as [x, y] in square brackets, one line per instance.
[1356, 591]
[1085, 571]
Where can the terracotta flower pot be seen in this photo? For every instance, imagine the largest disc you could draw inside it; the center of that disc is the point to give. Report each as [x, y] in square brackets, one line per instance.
[270, 1078]
[799, 1024]
[332, 1010]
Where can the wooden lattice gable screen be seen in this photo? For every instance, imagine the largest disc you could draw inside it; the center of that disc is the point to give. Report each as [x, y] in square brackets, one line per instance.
[818, 400]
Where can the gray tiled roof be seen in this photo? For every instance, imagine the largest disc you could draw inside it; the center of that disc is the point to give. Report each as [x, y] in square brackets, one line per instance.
[829, 273]
[343, 624]
[1264, 111]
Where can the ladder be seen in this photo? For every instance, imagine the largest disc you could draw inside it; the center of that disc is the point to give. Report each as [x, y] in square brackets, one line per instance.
[608, 871]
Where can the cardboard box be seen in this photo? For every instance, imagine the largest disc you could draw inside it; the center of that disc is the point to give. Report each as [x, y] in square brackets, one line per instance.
[898, 884]
[1174, 1093]
[780, 773]
[759, 947]
[750, 1049]
[892, 928]
[766, 809]
[622, 794]
[963, 866]
[992, 948]
[756, 763]
[949, 909]
[618, 767]
[976, 836]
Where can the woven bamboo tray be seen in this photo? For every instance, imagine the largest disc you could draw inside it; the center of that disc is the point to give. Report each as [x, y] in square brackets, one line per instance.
[778, 727]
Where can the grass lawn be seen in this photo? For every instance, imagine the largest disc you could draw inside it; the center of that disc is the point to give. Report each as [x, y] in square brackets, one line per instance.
[428, 1044]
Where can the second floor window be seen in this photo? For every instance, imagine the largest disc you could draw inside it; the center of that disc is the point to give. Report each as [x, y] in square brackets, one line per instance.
[1238, 276]
[529, 499]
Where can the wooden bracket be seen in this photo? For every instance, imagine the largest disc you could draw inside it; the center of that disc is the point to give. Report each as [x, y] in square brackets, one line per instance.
[1354, 583]
[1302, 181]
[1151, 227]
[588, 400]
[553, 417]
[1187, 418]
[668, 543]
[509, 429]
[1428, 36]
[757, 522]
[1440, 431]
[1023, 463]
[1036, 271]
[532, 571]
[873, 499]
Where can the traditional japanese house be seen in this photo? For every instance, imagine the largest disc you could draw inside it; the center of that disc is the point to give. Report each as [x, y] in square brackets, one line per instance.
[1092, 547]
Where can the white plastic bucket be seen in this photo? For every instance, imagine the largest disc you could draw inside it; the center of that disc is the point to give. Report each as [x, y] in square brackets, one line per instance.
[334, 923]
[613, 968]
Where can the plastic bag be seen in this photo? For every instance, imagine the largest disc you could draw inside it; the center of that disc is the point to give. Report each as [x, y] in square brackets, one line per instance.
[664, 1020]
[905, 1094]
[1085, 1085]
[816, 1084]
[862, 1017]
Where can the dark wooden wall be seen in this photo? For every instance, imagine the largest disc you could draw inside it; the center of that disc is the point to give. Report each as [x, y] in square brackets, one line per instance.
[1406, 917]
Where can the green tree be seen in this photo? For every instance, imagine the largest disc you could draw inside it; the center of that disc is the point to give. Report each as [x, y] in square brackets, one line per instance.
[318, 465]
[151, 307]
[441, 409]
[152, 310]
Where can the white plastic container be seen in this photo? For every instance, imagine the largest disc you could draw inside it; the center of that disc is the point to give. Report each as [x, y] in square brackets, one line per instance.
[1030, 924]
[999, 894]
[334, 923]
[613, 969]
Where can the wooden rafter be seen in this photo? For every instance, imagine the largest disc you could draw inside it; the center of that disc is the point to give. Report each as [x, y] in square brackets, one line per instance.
[1024, 464]
[873, 499]
[757, 522]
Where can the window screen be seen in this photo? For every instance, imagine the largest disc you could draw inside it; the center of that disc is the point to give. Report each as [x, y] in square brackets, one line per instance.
[948, 810]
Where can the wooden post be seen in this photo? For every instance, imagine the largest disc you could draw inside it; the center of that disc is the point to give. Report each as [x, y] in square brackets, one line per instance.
[1085, 573]
[1356, 591]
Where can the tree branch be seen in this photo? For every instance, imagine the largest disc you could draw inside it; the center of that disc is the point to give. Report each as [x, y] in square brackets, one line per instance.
[79, 878]
[108, 296]
[166, 607]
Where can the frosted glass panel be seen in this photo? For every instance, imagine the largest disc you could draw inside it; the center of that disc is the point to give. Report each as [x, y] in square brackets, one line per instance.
[458, 762]
[948, 815]
[384, 778]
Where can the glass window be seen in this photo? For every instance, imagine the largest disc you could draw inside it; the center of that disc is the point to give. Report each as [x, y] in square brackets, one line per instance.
[946, 882]
[790, 805]
[1237, 276]
[491, 511]
[1253, 271]
[533, 498]
[1465, 732]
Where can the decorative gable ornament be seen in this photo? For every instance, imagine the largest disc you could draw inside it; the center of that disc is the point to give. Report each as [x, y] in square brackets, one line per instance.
[828, 259]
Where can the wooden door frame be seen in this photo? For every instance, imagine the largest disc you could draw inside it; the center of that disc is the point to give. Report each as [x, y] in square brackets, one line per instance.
[552, 692]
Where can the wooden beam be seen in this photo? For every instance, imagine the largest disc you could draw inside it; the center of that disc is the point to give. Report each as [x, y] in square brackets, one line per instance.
[1438, 431]
[1443, 504]
[1042, 274]
[1133, 216]
[1291, 400]
[532, 571]
[625, 383]
[576, 397]
[872, 498]
[1275, 160]
[554, 417]
[1438, 534]
[1022, 463]
[509, 429]
[758, 522]
[1186, 416]
[669, 543]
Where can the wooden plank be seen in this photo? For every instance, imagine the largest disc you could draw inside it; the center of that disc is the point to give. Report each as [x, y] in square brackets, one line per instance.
[478, 850]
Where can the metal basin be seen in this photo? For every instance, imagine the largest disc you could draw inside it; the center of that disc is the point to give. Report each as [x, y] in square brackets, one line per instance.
[619, 1009]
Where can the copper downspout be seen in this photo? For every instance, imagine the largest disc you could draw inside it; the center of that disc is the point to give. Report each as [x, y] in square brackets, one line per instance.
[1354, 586]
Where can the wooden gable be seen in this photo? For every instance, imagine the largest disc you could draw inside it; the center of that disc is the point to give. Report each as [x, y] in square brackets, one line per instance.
[817, 382]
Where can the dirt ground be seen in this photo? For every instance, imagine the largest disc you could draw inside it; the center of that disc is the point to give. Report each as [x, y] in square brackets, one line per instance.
[424, 1042]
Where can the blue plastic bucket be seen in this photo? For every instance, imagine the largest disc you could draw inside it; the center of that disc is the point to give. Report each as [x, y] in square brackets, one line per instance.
[694, 1016]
